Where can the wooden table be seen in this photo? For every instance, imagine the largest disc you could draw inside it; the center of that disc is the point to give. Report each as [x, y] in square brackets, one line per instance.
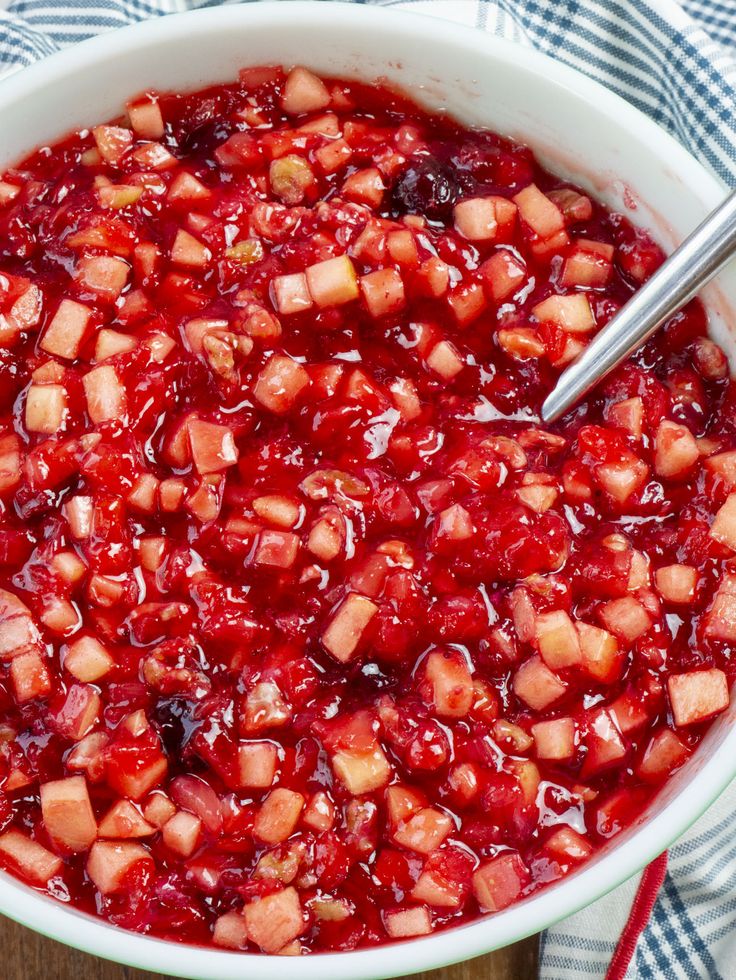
[27, 956]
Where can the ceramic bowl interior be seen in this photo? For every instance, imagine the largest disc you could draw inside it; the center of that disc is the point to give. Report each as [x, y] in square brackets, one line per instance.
[580, 131]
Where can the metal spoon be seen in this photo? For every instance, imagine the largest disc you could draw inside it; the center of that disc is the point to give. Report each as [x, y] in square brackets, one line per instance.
[686, 271]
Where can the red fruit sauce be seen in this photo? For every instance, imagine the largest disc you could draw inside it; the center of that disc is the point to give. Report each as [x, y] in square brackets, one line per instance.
[312, 635]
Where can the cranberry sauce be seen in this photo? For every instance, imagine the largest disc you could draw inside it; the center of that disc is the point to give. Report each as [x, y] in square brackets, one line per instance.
[312, 636]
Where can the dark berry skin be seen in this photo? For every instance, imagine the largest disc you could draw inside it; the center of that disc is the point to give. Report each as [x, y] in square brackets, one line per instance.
[426, 187]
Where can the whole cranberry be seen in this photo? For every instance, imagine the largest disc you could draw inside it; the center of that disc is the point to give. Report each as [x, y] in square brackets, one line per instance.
[426, 187]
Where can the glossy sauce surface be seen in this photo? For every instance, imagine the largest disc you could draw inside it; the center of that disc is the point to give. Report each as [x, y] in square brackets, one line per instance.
[313, 636]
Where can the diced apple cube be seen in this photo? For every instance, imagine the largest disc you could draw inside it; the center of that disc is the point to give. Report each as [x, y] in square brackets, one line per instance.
[158, 809]
[676, 449]
[189, 251]
[536, 685]
[30, 676]
[125, 821]
[723, 529]
[103, 275]
[29, 858]
[567, 845]
[278, 816]
[64, 334]
[343, 633]
[279, 384]
[45, 408]
[333, 282]
[383, 292]
[557, 640]
[362, 771]
[499, 882]
[87, 659]
[274, 921]
[257, 763]
[555, 739]
[677, 583]
[601, 656]
[67, 813]
[622, 479]
[291, 293]
[109, 863]
[277, 509]
[664, 753]
[697, 695]
[503, 274]
[589, 264]
[278, 549]
[110, 343]
[720, 620]
[570, 313]
[10, 474]
[627, 414]
[112, 142]
[146, 119]
[604, 744]
[444, 360]
[303, 92]
[364, 187]
[105, 394]
[626, 618]
[181, 833]
[424, 831]
[449, 682]
[402, 923]
[544, 218]
[521, 343]
[475, 219]
[213, 446]
[319, 813]
[230, 931]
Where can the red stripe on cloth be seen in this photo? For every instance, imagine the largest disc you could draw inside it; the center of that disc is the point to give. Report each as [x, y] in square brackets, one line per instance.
[641, 910]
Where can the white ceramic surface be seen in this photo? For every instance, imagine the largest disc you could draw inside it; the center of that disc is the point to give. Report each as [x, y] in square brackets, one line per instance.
[578, 129]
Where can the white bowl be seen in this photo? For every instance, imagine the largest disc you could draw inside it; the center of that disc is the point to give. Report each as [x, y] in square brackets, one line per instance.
[579, 130]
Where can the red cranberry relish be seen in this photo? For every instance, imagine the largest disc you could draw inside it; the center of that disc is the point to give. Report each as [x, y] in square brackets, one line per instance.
[312, 636]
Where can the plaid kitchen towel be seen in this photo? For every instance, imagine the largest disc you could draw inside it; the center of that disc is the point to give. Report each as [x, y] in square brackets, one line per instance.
[677, 63]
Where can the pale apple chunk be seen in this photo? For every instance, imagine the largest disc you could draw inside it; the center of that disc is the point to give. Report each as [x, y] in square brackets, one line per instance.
[536, 685]
[424, 831]
[212, 446]
[676, 450]
[343, 633]
[87, 659]
[333, 282]
[103, 275]
[64, 334]
[67, 813]
[723, 528]
[109, 863]
[555, 739]
[278, 816]
[46, 408]
[125, 821]
[105, 394]
[188, 251]
[450, 684]
[230, 931]
[181, 833]
[29, 858]
[280, 383]
[499, 882]
[257, 763]
[676, 583]
[406, 922]
[557, 640]
[146, 119]
[570, 313]
[274, 921]
[383, 292]
[362, 772]
[697, 695]
[444, 360]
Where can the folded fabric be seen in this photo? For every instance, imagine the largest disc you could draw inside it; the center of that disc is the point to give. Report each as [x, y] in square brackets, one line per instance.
[677, 63]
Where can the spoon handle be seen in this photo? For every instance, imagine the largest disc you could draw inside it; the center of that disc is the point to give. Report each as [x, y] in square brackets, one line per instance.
[685, 272]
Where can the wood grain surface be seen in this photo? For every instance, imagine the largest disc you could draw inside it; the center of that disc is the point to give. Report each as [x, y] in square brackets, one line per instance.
[26, 956]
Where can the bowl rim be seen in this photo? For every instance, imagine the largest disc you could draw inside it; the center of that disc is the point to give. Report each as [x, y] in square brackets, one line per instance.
[89, 934]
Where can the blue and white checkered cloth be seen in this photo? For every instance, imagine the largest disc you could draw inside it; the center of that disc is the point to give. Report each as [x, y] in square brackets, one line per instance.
[677, 63]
